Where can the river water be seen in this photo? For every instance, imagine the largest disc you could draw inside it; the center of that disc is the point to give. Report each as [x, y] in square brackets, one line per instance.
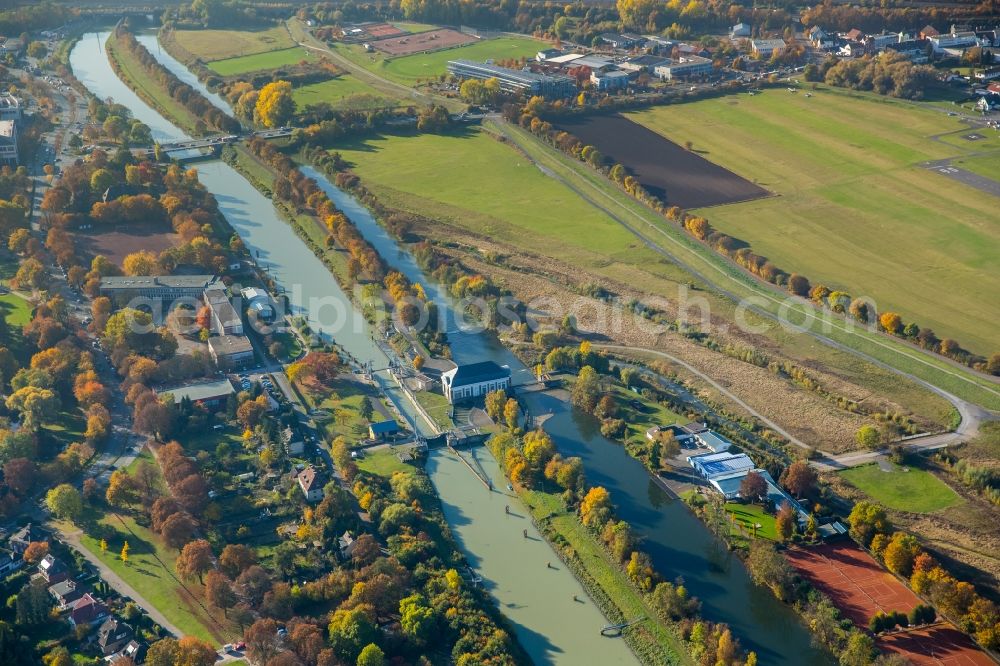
[538, 600]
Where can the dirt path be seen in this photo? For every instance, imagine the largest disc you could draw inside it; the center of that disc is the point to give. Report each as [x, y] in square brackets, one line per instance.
[117, 582]
[971, 415]
[719, 387]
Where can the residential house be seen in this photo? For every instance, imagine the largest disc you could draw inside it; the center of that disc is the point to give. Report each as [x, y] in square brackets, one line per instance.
[854, 35]
[346, 543]
[52, 570]
[290, 439]
[65, 593]
[765, 48]
[383, 430]
[9, 562]
[113, 635]
[740, 30]
[87, 611]
[134, 652]
[311, 483]
[19, 540]
[474, 380]
[929, 31]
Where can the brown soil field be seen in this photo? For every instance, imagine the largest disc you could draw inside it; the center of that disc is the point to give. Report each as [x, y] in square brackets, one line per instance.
[383, 30]
[859, 587]
[117, 244]
[806, 414]
[423, 41]
[965, 538]
[666, 170]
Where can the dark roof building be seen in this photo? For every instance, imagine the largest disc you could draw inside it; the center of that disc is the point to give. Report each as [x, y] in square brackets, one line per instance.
[163, 287]
[383, 429]
[113, 635]
[474, 380]
[53, 570]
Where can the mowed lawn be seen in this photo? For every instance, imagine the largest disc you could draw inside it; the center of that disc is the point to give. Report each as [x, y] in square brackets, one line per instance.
[262, 61]
[221, 44]
[336, 92]
[855, 209]
[903, 489]
[470, 180]
[408, 69]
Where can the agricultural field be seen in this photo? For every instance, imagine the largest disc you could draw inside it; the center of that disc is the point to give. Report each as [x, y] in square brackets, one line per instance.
[339, 92]
[221, 44]
[666, 170]
[855, 207]
[903, 488]
[408, 69]
[261, 61]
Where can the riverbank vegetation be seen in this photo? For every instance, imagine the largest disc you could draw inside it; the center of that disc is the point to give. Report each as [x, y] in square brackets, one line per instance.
[605, 556]
[182, 103]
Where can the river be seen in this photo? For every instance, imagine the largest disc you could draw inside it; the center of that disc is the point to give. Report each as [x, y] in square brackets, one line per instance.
[536, 599]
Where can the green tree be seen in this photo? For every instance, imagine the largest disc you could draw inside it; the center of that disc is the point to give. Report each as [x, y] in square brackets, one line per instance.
[868, 436]
[35, 405]
[866, 520]
[586, 389]
[417, 619]
[351, 631]
[65, 502]
[101, 180]
[371, 655]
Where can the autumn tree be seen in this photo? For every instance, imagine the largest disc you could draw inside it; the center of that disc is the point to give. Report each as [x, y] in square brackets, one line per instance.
[890, 322]
[900, 554]
[219, 591]
[195, 559]
[177, 529]
[35, 552]
[753, 487]
[595, 509]
[866, 520]
[784, 522]
[275, 105]
[799, 478]
[192, 651]
[236, 558]
[122, 490]
[140, 263]
[868, 436]
[586, 389]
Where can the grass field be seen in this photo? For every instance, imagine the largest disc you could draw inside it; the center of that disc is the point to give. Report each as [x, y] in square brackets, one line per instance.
[261, 61]
[987, 166]
[409, 26]
[150, 571]
[408, 69]
[15, 309]
[903, 489]
[855, 210]
[338, 92]
[382, 463]
[220, 44]
[746, 515]
[473, 181]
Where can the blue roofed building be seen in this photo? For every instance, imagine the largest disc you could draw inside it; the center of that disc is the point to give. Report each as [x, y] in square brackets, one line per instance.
[383, 430]
[713, 465]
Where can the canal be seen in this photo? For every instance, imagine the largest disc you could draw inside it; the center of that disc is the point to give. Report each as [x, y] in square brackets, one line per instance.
[536, 599]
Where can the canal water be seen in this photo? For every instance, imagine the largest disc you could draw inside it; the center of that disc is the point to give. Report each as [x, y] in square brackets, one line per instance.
[149, 40]
[538, 600]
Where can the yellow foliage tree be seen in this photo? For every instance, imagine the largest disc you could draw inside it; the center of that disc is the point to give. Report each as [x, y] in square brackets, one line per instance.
[275, 105]
[139, 263]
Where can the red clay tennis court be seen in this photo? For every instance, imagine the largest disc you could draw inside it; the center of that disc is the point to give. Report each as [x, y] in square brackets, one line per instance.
[859, 587]
[380, 30]
[855, 582]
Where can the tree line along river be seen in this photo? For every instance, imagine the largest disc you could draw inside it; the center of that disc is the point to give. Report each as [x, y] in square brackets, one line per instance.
[553, 628]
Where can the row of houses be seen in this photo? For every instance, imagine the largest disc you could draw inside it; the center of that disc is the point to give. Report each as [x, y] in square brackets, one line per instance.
[115, 639]
[10, 118]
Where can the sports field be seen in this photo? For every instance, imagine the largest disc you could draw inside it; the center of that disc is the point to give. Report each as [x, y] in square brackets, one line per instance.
[903, 489]
[338, 92]
[220, 44]
[855, 209]
[260, 61]
[472, 181]
[408, 69]
[859, 587]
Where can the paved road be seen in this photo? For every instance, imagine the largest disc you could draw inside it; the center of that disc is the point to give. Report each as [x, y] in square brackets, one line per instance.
[981, 183]
[971, 415]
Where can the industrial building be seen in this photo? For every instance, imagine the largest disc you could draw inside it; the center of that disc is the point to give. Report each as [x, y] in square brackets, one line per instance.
[162, 287]
[515, 81]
